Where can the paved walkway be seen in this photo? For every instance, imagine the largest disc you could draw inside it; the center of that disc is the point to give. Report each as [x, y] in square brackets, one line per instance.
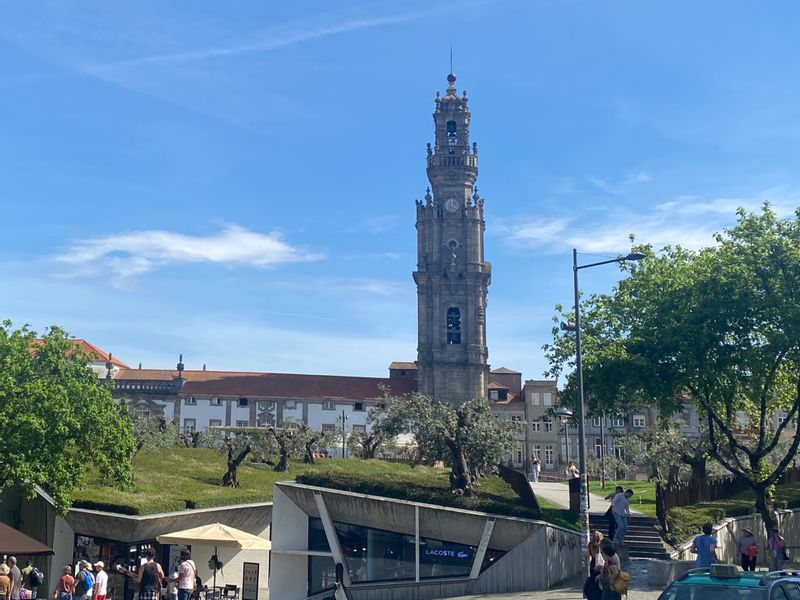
[573, 589]
[558, 494]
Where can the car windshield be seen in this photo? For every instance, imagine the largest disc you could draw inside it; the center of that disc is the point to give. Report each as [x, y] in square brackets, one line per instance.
[713, 592]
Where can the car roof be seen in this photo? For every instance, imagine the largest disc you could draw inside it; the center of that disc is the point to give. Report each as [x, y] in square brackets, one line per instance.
[743, 579]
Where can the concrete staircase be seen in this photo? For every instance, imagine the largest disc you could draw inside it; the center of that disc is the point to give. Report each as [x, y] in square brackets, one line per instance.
[642, 539]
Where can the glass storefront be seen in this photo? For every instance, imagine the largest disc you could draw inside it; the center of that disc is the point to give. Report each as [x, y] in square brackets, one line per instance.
[373, 555]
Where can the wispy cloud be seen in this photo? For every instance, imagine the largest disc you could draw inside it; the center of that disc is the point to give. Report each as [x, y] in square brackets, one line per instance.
[347, 286]
[689, 221]
[621, 187]
[290, 34]
[130, 254]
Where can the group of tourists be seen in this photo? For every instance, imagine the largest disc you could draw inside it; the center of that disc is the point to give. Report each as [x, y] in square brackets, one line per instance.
[183, 583]
[606, 580]
[19, 584]
[705, 547]
[90, 582]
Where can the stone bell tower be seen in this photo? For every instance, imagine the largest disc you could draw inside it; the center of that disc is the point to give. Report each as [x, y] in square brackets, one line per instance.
[452, 276]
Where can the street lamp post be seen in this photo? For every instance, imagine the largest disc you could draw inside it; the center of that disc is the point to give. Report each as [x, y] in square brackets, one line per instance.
[344, 434]
[565, 416]
[581, 412]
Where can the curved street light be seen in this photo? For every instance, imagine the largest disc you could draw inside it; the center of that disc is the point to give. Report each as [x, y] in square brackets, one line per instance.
[581, 409]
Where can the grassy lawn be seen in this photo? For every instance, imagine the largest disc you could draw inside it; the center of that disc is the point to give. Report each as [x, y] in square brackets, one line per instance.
[644, 494]
[686, 521]
[190, 478]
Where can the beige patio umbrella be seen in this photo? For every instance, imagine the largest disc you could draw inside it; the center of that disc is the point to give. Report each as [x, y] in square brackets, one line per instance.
[219, 535]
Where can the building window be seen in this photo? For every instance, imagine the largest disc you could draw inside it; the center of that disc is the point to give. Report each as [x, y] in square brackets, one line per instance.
[452, 135]
[516, 418]
[618, 421]
[598, 447]
[618, 453]
[216, 402]
[518, 455]
[358, 406]
[533, 398]
[243, 423]
[547, 399]
[190, 401]
[548, 455]
[453, 325]
[215, 423]
[267, 405]
[494, 394]
[537, 451]
[359, 429]
[536, 426]
[328, 428]
[189, 425]
[595, 421]
[243, 402]
[290, 405]
[548, 425]
[328, 405]
[639, 421]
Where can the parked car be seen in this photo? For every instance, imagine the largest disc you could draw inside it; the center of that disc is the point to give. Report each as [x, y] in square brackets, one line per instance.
[729, 582]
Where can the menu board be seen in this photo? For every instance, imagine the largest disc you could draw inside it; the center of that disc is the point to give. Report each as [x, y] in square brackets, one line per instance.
[250, 581]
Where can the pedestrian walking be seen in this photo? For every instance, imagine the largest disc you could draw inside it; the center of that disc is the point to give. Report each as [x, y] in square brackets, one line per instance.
[65, 585]
[536, 467]
[748, 549]
[16, 577]
[149, 576]
[612, 522]
[777, 550]
[187, 572]
[608, 573]
[621, 508]
[33, 577]
[591, 588]
[705, 546]
[84, 582]
[100, 581]
[5, 582]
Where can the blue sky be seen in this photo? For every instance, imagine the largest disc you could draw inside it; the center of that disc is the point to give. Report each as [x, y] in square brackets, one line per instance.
[236, 181]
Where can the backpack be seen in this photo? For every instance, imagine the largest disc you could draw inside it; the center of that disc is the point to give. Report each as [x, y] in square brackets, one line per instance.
[621, 581]
[85, 583]
[35, 578]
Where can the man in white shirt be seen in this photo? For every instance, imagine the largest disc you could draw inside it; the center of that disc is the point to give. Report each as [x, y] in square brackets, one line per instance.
[187, 573]
[100, 581]
[621, 509]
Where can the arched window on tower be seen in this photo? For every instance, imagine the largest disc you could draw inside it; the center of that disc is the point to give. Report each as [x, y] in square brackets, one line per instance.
[451, 136]
[453, 325]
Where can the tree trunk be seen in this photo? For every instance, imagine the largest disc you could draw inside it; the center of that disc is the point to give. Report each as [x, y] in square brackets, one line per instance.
[230, 479]
[460, 478]
[308, 456]
[283, 463]
[672, 476]
[766, 508]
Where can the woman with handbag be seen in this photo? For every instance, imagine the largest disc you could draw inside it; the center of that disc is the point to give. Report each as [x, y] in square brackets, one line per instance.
[591, 589]
[777, 550]
[609, 573]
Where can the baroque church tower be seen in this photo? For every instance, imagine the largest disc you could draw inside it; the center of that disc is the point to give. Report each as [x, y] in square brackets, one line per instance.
[452, 276]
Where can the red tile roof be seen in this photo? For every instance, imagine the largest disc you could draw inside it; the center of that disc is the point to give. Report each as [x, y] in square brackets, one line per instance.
[274, 385]
[497, 386]
[95, 354]
[409, 366]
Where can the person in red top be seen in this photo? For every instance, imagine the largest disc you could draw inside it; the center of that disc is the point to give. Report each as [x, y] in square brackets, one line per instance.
[65, 584]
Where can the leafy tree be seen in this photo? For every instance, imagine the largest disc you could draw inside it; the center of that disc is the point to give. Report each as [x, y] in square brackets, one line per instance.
[311, 441]
[719, 327]
[155, 433]
[56, 417]
[468, 437]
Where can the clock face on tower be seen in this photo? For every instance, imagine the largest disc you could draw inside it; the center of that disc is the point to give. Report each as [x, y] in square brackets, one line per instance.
[451, 205]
